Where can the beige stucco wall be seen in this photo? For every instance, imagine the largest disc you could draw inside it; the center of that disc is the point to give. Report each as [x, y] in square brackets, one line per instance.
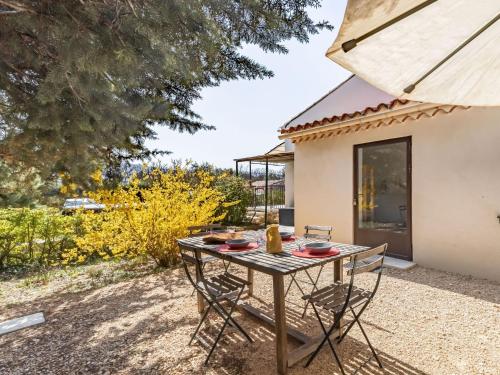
[289, 191]
[456, 188]
[289, 176]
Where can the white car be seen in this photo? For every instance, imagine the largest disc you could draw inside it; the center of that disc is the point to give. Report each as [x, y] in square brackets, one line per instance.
[74, 204]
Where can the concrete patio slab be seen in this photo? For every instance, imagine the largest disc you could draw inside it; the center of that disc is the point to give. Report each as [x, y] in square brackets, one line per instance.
[22, 322]
[399, 264]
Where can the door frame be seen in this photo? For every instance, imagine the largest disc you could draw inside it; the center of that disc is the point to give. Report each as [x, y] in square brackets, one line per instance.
[409, 210]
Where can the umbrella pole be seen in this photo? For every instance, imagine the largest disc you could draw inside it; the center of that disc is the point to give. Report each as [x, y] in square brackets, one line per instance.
[411, 87]
[350, 44]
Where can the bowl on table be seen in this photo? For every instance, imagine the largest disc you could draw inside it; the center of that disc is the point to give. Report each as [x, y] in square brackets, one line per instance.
[238, 243]
[286, 235]
[318, 247]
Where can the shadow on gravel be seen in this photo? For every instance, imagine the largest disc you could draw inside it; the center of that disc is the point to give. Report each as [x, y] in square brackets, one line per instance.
[467, 285]
[71, 342]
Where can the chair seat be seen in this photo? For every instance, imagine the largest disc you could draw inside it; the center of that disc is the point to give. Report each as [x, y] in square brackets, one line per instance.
[333, 297]
[221, 285]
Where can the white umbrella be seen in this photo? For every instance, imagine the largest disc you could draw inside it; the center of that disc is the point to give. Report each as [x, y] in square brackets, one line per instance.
[435, 51]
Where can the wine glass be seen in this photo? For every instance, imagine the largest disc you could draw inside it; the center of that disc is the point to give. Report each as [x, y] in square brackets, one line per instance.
[299, 243]
[261, 238]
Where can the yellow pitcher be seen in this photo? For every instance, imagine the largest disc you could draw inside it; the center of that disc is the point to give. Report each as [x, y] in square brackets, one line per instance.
[273, 239]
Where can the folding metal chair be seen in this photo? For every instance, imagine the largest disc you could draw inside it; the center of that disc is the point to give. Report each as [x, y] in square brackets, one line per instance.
[340, 297]
[213, 290]
[203, 230]
[320, 233]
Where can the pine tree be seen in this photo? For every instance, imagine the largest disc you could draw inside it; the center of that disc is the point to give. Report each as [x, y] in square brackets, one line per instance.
[21, 187]
[85, 81]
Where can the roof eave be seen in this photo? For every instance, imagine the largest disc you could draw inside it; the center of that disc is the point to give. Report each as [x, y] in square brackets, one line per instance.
[285, 126]
[359, 120]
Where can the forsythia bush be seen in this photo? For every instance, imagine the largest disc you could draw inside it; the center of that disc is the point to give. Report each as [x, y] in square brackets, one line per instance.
[145, 217]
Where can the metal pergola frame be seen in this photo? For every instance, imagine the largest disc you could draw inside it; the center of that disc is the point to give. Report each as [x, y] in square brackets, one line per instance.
[271, 158]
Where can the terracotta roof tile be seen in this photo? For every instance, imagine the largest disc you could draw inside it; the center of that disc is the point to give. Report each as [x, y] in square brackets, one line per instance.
[344, 116]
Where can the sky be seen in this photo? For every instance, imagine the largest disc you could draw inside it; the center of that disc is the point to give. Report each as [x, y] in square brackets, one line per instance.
[247, 114]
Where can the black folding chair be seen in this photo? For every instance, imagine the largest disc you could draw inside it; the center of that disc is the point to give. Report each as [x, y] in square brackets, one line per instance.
[203, 230]
[340, 297]
[321, 233]
[213, 290]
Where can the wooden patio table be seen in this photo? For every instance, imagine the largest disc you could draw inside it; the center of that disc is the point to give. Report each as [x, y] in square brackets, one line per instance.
[277, 266]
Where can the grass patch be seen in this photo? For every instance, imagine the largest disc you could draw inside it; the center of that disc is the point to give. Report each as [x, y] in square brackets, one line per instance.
[35, 280]
[118, 271]
[44, 277]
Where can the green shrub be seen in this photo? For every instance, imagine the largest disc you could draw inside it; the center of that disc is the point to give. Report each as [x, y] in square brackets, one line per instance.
[8, 244]
[236, 191]
[35, 237]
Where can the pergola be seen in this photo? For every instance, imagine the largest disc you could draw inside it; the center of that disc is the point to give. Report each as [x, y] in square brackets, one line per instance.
[274, 157]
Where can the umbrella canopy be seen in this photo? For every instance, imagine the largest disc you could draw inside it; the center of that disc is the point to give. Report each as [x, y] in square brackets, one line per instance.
[435, 51]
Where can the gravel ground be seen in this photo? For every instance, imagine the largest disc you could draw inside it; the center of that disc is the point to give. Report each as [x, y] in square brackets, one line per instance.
[422, 322]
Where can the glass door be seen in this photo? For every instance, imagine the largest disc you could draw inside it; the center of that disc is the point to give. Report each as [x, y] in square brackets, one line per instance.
[382, 195]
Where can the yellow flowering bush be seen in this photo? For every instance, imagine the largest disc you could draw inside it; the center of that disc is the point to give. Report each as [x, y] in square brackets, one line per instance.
[145, 217]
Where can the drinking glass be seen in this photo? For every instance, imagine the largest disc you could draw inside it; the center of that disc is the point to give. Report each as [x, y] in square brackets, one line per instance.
[299, 243]
[261, 238]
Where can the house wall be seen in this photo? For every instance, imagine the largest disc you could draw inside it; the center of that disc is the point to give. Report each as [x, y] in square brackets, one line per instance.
[289, 176]
[455, 192]
[289, 191]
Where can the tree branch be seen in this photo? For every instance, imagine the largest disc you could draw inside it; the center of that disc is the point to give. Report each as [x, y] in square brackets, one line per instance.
[132, 7]
[16, 6]
[78, 97]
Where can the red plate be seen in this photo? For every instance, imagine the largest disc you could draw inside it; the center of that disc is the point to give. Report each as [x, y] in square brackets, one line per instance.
[307, 254]
[226, 248]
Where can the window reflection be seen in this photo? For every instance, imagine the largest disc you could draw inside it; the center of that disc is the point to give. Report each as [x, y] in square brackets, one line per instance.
[382, 187]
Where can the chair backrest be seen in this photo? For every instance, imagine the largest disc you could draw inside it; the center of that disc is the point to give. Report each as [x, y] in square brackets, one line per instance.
[193, 260]
[367, 261]
[199, 282]
[197, 230]
[319, 232]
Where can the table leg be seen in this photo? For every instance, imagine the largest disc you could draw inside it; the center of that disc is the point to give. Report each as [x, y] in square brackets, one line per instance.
[201, 302]
[280, 321]
[338, 276]
[250, 280]
[338, 272]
